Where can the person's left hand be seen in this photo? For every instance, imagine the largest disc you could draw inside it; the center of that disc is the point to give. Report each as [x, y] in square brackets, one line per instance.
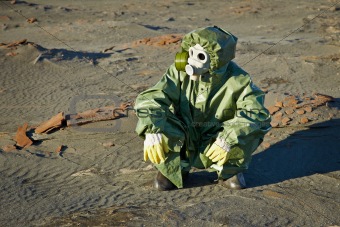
[217, 154]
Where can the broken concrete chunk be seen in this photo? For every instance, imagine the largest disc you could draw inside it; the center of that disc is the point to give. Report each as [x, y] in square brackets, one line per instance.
[285, 120]
[304, 120]
[279, 104]
[274, 124]
[278, 115]
[290, 101]
[308, 109]
[273, 109]
[300, 112]
[289, 111]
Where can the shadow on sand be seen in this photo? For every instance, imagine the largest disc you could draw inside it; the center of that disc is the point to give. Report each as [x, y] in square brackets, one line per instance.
[64, 54]
[303, 153]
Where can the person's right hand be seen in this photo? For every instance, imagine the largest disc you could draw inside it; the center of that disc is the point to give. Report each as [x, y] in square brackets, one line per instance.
[154, 148]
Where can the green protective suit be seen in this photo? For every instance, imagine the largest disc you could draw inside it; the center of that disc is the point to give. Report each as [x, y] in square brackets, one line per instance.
[191, 114]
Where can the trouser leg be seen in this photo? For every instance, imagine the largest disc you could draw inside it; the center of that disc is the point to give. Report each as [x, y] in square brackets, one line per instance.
[239, 159]
[185, 163]
[176, 166]
[171, 168]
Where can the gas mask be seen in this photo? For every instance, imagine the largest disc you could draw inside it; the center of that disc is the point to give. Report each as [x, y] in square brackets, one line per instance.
[195, 62]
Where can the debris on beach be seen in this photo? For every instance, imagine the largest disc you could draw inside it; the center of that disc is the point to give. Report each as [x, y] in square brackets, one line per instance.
[295, 110]
[308, 109]
[59, 149]
[300, 112]
[304, 120]
[108, 144]
[53, 123]
[273, 109]
[156, 41]
[21, 138]
[285, 120]
[85, 117]
[15, 43]
[97, 114]
[88, 116]
[159, 40]
[279, 104]
[12, 46]
[32, 20]
[61, 120]
[9, 147]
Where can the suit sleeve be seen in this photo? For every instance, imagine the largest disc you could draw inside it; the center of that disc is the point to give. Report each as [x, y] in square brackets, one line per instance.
[153, 108]
[245, 132]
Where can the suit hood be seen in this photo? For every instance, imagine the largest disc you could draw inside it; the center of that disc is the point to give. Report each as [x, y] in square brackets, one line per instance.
[219, 44]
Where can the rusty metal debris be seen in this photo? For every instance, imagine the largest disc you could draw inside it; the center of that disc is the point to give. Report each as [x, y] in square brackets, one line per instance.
[88, 116]
[21, 138]
[53, 123]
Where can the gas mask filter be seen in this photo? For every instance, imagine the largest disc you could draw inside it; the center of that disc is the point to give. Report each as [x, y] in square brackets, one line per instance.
[195, 62]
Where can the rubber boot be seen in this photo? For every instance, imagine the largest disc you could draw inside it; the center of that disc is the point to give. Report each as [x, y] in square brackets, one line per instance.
[236, 182]
[162, 183]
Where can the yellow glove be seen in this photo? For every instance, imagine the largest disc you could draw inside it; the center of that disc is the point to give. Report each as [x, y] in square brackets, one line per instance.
[218, 152]
[154, 148]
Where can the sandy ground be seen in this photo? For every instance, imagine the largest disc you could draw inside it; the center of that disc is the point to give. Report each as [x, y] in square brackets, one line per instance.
[81, 55]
